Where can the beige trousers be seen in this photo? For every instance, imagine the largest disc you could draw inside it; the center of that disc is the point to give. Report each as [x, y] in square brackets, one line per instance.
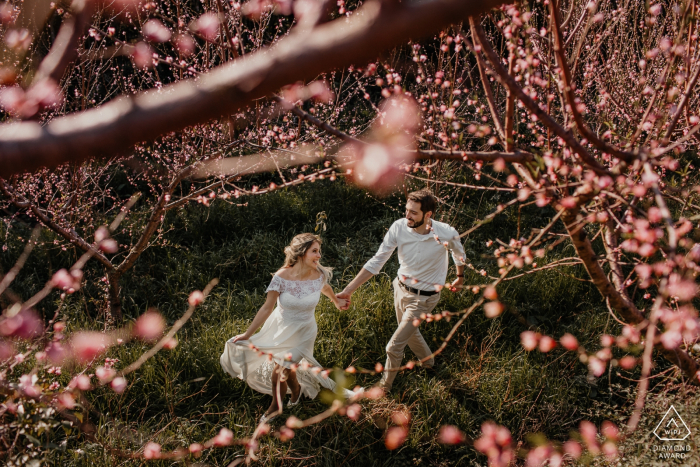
[409, 306]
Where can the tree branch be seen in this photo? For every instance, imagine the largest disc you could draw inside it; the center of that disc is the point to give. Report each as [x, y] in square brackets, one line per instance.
[118, 125]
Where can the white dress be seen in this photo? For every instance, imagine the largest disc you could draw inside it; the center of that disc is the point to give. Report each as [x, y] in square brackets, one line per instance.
[289, 335]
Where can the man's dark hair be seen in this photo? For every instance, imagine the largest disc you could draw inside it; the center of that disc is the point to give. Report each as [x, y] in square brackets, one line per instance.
[425, 198]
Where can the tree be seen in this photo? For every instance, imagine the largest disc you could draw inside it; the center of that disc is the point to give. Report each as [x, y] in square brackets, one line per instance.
[547, 102]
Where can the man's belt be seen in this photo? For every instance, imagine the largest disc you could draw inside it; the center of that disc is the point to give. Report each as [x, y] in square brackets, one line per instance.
[426, 293]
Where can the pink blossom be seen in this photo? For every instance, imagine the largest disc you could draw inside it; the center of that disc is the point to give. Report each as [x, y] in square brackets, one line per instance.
[87, 345]
[401, 418]
[538, 456]
[195, 449]
[596, 366]
[294, 423]
[65, 401]
[81, 382]
[628, 362]
[610, 430]
[26, 325]
[572, 448]
[142, 55]
[606, 340]
[374, 393]
[529, 339]
[184, 44]
[547, 344]
[223, 438]
[57, 353]
[490, 292]
[196, 298]
[155, 31]
[684, 289]
[610, 450]
[395, 437]
[353, 411]
[110, 245]
[450, 434]
[105, 374]
[18, 39]
[569, 342]
[118, 384]
[285, 434]
[170, 343]
[588, 433]
[151, 451]
[493, 309]
[207, 26]
[149, 326]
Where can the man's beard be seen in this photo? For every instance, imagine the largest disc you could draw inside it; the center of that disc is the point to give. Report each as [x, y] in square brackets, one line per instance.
[417, 224]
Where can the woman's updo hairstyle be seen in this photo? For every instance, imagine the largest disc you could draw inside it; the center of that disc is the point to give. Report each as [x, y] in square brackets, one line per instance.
[298, 247]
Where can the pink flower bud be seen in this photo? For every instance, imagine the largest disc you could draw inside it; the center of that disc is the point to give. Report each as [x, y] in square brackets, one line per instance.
[81, 382]
[547, 344]
[627, 362]
[149, 326]
[493, 309]
[184, 44]
[610, 430]
[223, 438]
[374, 393]
[105, 374]
[395, 437]
[118, 384]
[66, 401]
[207, 26]
[151, 451]
[294, 423]
[353, 412]
[569, 342]
[529, 339]
[109, 245]
[155, 31]
[142, 55]
[87, 345]
[400, 418]
[170, 344]
[102, 233]
[490, 293]
[285, 434]
[450, 434]
[195, 449]
[196, 298]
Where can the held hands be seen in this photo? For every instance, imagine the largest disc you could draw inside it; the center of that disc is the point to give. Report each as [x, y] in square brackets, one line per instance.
[344, 301]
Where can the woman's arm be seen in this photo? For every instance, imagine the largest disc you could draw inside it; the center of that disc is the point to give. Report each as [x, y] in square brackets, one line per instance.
[327, 290]
[260, 317]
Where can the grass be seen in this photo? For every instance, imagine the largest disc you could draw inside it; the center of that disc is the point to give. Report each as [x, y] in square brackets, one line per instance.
[183, 396]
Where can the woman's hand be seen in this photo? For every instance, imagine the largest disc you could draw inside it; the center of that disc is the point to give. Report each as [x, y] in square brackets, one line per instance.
[240, 337]
[342, 304]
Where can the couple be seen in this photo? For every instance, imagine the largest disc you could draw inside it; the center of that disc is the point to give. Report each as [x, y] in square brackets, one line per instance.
[279, 359]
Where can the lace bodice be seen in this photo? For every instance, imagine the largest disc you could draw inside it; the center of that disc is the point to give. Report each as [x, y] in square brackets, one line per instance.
[298, 299]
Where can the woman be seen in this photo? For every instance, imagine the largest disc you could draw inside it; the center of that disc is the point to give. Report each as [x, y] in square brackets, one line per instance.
[276, 361]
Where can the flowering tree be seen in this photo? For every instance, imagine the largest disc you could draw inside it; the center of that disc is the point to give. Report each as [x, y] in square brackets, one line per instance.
[547, 103]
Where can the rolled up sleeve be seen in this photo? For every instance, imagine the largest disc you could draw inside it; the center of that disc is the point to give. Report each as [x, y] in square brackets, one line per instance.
[387, 247]
[458, 255]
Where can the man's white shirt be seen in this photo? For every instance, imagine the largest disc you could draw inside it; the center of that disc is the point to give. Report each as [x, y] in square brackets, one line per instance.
[421, 257]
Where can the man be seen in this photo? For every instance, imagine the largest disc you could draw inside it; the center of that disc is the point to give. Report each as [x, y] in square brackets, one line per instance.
[423, 244]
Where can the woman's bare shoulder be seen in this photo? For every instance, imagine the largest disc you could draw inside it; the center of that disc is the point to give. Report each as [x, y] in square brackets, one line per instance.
[283, 273]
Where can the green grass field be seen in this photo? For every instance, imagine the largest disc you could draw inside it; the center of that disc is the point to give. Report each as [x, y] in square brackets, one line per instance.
[183, 396]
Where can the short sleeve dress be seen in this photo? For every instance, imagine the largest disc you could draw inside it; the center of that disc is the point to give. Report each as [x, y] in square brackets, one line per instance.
[288, 335]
